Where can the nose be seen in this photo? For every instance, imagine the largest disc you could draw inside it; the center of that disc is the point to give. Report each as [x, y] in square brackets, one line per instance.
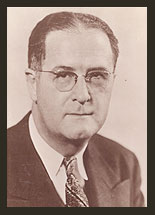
[80, 91]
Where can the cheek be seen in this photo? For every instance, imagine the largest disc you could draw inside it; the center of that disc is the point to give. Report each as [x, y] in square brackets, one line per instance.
[101, 101]
[50, 103]
[48, 109]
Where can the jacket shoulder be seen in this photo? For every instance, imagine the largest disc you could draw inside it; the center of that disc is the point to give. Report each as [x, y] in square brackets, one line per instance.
[17, 130]
[116, 155]
[16, 136]
[114, 148]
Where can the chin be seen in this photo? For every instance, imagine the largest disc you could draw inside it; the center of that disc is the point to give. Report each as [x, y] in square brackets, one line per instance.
[80, 129]
[80, 134]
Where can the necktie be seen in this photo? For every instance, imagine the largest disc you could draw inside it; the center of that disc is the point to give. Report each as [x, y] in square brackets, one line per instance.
[75, 196]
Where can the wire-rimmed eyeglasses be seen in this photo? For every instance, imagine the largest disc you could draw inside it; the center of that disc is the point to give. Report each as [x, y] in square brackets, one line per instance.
[65, 80]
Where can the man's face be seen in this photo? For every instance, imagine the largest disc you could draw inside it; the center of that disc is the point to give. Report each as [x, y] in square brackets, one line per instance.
[80, 112]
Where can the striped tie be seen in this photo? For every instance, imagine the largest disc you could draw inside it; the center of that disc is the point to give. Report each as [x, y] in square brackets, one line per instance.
[75, 196]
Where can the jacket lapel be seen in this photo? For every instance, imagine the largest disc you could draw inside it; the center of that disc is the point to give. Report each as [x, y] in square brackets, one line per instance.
[33, 186]
[36, 188]
[104, 187]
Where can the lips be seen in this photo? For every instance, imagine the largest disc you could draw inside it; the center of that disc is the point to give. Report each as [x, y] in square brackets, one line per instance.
[80, 114]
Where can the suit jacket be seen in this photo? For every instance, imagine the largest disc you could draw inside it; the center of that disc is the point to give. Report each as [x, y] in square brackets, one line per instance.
[113, 173]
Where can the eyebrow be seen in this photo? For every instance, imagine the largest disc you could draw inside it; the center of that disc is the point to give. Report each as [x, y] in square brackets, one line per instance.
[97, 68]
[73, 69]
[63, 67]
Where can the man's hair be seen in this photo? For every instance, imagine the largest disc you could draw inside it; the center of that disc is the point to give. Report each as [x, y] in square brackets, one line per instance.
[64, 21]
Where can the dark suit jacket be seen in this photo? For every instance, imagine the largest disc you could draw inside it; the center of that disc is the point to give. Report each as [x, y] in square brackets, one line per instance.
[113, 173]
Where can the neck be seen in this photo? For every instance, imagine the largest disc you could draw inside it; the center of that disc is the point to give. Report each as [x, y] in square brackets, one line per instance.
[61, 144]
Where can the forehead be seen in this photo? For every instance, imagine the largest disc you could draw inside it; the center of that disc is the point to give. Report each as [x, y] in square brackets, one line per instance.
[83, 48]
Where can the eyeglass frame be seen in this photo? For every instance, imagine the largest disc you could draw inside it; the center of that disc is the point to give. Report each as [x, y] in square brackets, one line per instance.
[76, 77]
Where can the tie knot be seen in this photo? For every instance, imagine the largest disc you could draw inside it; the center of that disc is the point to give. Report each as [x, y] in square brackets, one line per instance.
[70, 164]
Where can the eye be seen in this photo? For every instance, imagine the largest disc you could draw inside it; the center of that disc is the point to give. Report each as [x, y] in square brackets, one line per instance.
[98, 75]
[64, 74]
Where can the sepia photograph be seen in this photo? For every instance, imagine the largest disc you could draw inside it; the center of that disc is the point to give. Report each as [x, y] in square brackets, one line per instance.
[76, 106]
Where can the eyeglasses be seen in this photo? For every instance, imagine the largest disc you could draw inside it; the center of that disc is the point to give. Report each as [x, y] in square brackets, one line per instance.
[65, 80]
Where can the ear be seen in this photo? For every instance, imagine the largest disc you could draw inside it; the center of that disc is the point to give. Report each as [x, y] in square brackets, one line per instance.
[31, 83]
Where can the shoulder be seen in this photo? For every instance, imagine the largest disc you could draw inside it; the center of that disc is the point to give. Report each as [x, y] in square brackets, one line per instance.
[105, 144]
[116, 155]
[20, 151]
[17, 130]
[17, 134]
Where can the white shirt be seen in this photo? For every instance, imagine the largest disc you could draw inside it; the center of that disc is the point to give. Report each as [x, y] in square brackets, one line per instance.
[52, 160]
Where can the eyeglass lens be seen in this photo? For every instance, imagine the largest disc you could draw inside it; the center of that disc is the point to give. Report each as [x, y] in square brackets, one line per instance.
[65, 81]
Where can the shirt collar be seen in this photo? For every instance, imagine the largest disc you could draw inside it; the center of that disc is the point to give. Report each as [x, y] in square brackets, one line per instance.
[51, 158]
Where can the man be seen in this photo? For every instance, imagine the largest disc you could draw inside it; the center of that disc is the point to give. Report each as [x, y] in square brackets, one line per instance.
[55, 156]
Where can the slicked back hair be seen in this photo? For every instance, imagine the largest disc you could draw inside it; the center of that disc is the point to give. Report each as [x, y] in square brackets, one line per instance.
[64, 21]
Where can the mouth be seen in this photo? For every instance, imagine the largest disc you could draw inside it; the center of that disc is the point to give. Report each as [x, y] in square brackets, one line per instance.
[80, 114]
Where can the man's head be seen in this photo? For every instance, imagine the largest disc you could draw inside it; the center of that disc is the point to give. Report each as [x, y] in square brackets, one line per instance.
[72, 58]
[64, 21]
